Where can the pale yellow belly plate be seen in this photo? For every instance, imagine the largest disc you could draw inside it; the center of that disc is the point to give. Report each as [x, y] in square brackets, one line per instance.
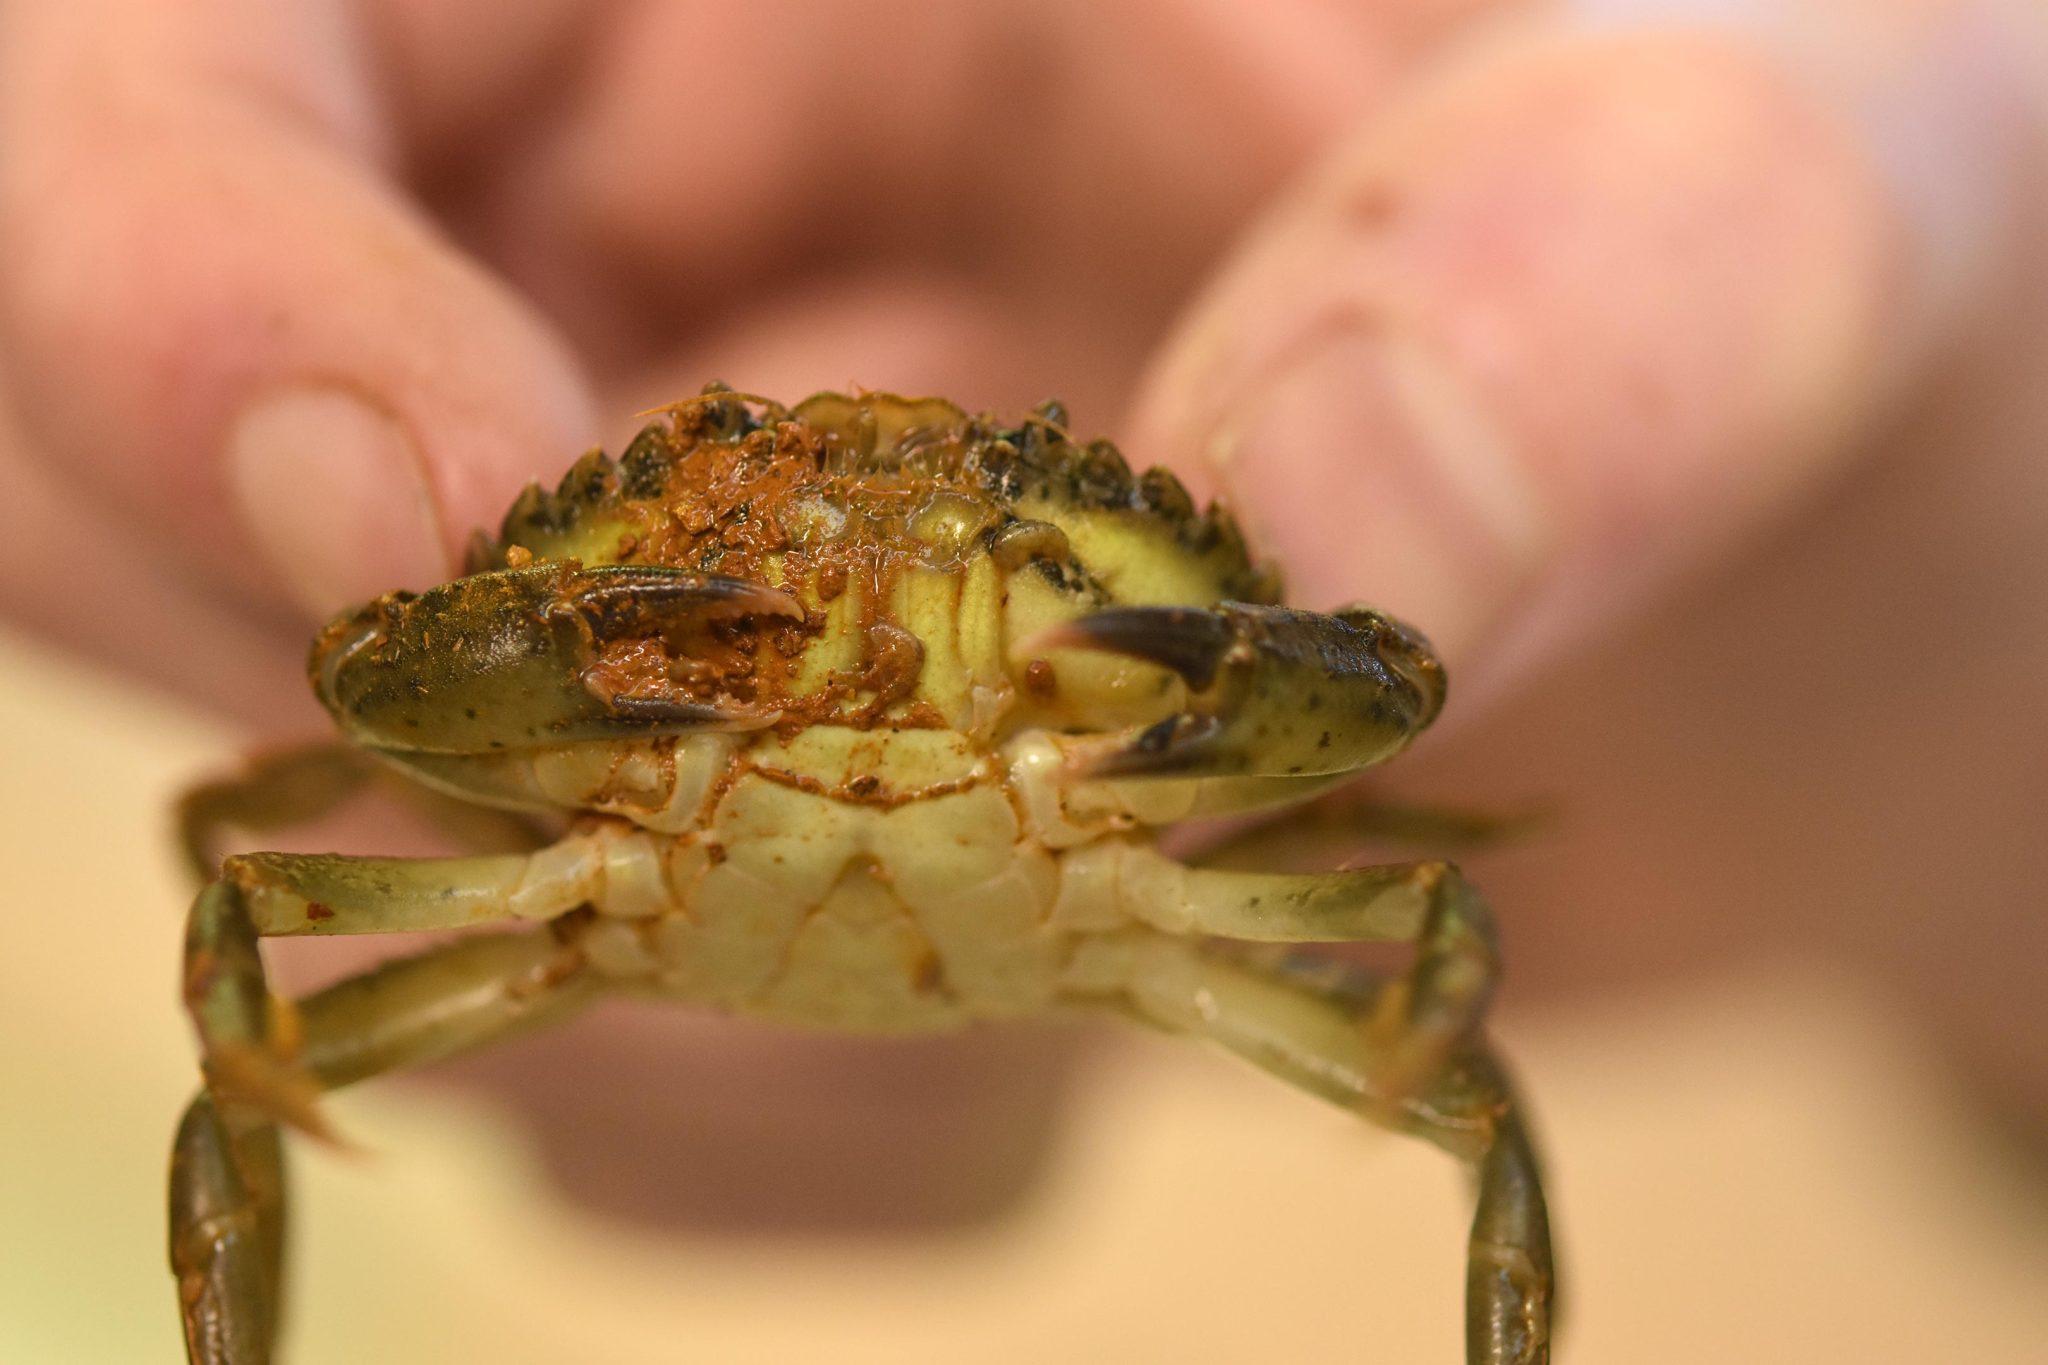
[805, 906]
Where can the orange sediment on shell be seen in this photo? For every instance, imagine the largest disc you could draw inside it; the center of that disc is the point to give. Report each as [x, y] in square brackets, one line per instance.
[851, 504]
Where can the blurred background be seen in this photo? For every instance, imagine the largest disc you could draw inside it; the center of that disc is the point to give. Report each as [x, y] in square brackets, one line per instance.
[1752, 297]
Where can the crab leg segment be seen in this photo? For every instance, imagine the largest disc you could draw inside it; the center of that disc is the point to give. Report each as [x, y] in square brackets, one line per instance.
[537, 655]
[227, 1188]
[285, 787]
[249, 1039]
[1302, 1023]
[329, 893]
[227, 1233]
[1273, 692]
[426, 1008]
[1329, 829]
[1420, 1020]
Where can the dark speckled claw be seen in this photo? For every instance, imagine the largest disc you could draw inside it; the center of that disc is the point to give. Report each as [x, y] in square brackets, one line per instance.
[1274, 692]
[544, 654]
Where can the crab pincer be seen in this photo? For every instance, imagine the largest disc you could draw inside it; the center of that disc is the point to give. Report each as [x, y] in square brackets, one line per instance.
[517, 657]
[1272, 691]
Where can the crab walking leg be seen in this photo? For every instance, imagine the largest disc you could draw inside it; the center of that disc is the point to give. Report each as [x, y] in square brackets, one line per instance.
[1329, 829]
[1301, 1022]
[227, 1188]
[248, 1038]
[227, 1230]
[271, 791]
[456, 997]
[1419, 1021]
[284, 787]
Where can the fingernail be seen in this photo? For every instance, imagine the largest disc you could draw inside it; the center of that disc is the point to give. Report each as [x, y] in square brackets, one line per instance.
[333, 491]
[1374, 476]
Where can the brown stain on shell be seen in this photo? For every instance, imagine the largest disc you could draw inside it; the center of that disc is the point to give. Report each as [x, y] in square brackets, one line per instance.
[836, 493]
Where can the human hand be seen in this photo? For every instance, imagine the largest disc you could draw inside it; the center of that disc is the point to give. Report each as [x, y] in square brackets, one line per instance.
[1685, 384]
[293, 297]
[292, 300]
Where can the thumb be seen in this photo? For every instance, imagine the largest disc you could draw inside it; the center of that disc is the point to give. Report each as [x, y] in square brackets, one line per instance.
[1572, 316]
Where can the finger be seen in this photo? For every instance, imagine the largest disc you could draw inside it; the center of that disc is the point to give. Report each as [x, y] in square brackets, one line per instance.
[895, 329]
[217, 314]
[72, 575]
[1568, 318]
[1095, 156]
[465, 75]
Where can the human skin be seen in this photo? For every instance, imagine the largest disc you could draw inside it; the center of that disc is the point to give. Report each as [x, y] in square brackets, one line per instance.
[1680, 377]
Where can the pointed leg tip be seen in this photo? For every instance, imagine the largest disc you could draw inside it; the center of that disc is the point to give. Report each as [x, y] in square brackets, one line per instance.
[280, 1090]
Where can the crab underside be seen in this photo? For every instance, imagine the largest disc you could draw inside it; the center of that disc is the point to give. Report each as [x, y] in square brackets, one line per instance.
[861, 714]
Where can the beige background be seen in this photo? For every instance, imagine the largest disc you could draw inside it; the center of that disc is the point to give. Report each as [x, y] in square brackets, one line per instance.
[1764, 1168]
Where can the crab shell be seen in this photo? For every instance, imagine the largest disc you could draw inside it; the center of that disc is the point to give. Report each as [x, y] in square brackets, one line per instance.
[858, 564]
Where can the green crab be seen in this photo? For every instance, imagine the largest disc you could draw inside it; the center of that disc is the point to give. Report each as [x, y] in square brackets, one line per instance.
[860, 714]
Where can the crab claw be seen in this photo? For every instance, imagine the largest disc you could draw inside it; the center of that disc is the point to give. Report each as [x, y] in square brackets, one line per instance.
[1271, 691]
[545, 654]
[621, 597]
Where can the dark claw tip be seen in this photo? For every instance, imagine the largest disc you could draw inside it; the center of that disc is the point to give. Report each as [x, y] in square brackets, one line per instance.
[743, 598]
[666, 713]
[1159, 748]
[1190, 641]
[636, 590]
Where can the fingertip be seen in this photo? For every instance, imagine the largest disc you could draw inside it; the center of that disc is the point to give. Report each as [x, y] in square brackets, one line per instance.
[1370, 471]
[266, 357]
[335, 494]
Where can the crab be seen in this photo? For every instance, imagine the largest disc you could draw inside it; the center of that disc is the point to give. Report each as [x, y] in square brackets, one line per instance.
[861, 714]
